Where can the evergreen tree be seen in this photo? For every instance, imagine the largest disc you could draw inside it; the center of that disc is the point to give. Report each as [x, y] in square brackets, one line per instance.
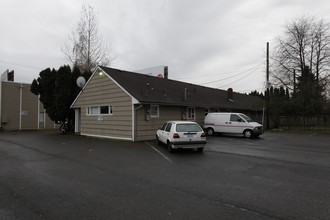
[63, 85]
[45, 87]
[57, 90]
[279, 103]
[256, 93]
[309, 98]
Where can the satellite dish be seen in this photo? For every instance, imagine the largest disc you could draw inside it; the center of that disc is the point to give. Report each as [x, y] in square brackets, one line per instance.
[81, 81]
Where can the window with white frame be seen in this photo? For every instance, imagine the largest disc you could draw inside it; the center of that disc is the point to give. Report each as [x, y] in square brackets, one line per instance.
[100, 110]
[191, 113]
[154, 111]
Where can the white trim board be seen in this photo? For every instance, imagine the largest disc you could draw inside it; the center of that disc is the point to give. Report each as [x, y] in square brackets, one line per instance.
[107, 137]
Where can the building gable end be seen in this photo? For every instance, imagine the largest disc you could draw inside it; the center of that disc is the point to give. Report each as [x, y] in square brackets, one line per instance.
[97, 71]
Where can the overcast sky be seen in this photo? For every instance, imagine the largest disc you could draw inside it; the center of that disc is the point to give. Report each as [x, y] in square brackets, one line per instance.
[215, 43]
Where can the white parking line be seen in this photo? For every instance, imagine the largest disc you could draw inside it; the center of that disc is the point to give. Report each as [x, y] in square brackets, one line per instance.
[163, 155]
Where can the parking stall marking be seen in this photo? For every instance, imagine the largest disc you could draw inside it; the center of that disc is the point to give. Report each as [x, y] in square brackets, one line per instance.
[163, 155]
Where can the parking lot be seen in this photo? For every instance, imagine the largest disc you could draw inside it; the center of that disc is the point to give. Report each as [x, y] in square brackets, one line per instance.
[281, 175]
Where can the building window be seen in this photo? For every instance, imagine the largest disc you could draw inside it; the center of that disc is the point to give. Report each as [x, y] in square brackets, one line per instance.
[191, 113]
[207, 110]
[154, 111]
[93, 110]
[41, 117]
[210, 110]
[104, 110]
[100, 110]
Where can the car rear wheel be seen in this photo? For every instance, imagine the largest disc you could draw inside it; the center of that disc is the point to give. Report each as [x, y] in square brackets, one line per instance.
[248, 133]
[170, 147]
[210, 131]
[200, 149]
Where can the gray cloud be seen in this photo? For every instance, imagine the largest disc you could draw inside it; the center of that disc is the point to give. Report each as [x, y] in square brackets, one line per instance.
[200, 41]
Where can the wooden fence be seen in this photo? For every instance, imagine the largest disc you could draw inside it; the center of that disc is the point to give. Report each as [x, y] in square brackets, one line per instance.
[321, 122]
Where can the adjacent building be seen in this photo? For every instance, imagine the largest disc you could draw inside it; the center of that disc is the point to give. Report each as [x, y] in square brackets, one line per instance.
[125, 105]
[20, 109]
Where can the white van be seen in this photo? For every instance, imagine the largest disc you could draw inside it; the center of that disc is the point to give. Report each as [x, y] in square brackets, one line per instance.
[231, 123]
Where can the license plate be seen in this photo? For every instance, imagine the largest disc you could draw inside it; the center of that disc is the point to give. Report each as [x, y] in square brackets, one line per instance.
[190, 136]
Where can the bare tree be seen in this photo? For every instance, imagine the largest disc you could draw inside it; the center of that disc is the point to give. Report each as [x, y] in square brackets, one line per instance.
[84, 47]
[305, 43]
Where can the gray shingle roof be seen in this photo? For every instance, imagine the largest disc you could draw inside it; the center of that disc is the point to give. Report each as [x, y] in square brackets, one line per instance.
[150, 89]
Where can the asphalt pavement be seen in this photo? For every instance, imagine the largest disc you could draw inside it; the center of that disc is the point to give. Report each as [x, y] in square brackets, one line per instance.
[45, 175]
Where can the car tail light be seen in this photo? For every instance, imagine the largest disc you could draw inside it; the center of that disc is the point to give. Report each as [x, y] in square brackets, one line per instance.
[175, 135]
[203, 135]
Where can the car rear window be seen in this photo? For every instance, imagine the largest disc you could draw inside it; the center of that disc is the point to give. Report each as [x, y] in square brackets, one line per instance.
[188, 128]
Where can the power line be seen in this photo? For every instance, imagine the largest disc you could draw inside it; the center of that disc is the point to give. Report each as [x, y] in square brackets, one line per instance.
[252, 71]
[260, 88]
[213, 74]
[240, 73]
[251, 90]
[22, 65]
[206, 75]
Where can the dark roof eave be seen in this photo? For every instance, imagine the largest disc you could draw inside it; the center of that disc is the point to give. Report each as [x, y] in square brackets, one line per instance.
[170, 104]
[198, 105]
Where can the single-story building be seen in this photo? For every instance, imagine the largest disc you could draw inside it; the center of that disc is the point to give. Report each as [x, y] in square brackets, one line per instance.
[125, 105]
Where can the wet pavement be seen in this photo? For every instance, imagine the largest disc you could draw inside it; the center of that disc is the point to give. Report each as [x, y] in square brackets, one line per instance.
[45, 175]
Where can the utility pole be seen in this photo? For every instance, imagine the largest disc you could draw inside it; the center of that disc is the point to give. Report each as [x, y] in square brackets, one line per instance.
[267, 63]
[294, 81]
[267, 85]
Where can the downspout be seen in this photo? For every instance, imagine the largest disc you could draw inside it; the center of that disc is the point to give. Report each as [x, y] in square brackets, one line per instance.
[134, 121]
[38, 113]
[263, 116]
[0, 103]
[45, 119]
[20, 105]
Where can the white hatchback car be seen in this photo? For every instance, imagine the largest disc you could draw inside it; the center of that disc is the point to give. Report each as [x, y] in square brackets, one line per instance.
[181, 134]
